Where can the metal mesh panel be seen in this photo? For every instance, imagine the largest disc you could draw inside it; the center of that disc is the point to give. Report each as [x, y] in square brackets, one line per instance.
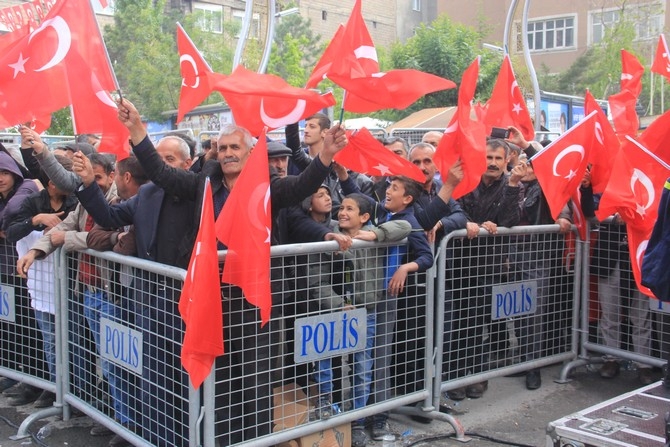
[125, 335]
[21, 349]
[412, 136]
[508, 300]
[624, 323]
[336, 343]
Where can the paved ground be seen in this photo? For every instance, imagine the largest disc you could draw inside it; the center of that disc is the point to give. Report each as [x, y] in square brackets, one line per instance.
[508, 414]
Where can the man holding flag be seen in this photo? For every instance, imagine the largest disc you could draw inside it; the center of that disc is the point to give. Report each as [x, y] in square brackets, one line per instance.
[250, 346]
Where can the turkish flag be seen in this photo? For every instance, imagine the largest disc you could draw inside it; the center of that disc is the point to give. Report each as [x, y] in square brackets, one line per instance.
[200, 300]
[635, 186]
[195, 86]
[578, 217]
[661, 63]
[40, 124]
[331, 53]
[655, 137]
[394, 89]
[624, 115]
[602, 157]
[638, 238]
[631, 73]
[560, 166]
[357, 53]
[464, 138]
[350, 53]
[35, 71]
[507, 106]
[365, 154]
[94, 111]
[245, 227]
[350, 61]
[259, 100]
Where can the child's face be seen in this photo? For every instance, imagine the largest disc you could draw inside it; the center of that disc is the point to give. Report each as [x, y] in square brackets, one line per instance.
[396, 200]
[349, 217]
[321, 201]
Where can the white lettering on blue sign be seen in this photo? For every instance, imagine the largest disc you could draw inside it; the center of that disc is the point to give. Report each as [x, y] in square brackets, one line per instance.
[513, 299]
[329, 335]
[121, 345]
[7, 303]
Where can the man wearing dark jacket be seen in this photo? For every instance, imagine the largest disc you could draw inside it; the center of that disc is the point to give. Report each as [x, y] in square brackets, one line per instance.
[244, 397]
[479, 263]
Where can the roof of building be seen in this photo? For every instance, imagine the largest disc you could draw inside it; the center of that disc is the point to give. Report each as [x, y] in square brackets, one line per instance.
[437, 118]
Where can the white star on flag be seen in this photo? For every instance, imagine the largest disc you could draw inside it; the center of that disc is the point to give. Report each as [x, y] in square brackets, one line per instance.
[517, 108]
[640, 210]
[570, 175]
[383, 170]
[18, 66]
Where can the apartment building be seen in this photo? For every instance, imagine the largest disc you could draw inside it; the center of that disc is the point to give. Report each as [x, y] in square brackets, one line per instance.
[559, 32]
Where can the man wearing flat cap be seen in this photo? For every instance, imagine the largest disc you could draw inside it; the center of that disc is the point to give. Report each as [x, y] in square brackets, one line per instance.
[278, 157]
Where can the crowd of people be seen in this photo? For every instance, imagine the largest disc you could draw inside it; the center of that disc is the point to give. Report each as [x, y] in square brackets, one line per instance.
[148, 205]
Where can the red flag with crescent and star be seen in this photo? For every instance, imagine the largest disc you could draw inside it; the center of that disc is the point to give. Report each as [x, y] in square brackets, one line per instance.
[507, 106]
[245, 227]
[631, 73]
[464, 138]
[578, 217]
[350, 61]
[634, 192]
[635, 186]
[365, 154]
[656, 136]
[638, 238]
[661, 64]
[35, 71]
[94, 111]
[195, 86]
[200, 300]
[602, 157]
[560, 166]
[262, 100]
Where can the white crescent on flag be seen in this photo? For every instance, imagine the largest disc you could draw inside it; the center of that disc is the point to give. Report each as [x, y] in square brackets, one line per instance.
[64, 40]
[572, 148]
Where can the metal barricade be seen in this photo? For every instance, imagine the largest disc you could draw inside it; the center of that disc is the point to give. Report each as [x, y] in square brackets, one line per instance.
[123, 347]
[505, 303]
[312, 355]
[491, 306]
[413, 136]
[618, 322]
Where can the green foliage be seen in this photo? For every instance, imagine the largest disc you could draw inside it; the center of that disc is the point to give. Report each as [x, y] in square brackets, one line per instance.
[143, 49]
[295, 49]
[61, 122]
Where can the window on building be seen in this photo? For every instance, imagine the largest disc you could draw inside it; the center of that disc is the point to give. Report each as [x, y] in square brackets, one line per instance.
[210, 17]
[648, 19]
[416, 5]
[549, 34]
[254, 26]
[98, 9]
[324, 15]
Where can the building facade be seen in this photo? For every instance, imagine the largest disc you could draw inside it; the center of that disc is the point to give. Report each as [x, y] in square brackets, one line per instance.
[559, 32]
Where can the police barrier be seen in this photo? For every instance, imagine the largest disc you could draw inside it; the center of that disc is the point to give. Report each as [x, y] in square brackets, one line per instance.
[412, 135]
[619, 323]
[491, 306]
[509, 306]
